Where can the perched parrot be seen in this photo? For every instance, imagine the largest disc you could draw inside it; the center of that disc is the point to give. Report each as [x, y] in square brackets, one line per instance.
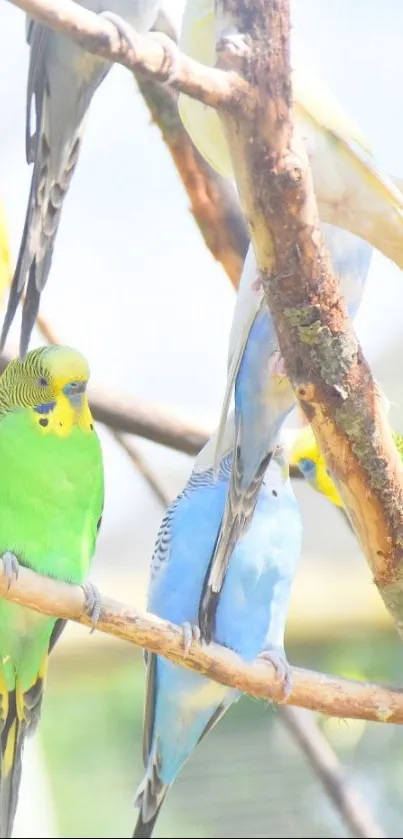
[51, 502]
[263, 398]
[5, 257]
[62, 80]
[181, 706]
[305, 453]
[351, 191]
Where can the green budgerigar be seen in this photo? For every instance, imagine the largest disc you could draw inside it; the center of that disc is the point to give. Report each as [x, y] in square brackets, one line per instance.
[51, 502]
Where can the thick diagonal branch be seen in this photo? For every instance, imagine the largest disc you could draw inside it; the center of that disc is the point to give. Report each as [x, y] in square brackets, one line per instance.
[323, 358]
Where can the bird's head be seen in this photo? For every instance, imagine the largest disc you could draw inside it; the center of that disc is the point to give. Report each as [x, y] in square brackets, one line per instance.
[52, 382]
[305, 454]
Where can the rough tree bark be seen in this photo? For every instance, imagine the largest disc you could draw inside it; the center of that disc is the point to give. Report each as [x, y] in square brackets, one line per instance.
[323, 359]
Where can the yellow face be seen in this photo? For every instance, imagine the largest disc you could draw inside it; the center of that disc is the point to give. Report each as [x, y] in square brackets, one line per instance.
[52, 383]
[306, 455]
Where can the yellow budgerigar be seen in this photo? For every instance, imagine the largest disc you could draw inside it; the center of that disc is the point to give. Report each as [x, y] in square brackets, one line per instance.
[351, 191]
[305, 454]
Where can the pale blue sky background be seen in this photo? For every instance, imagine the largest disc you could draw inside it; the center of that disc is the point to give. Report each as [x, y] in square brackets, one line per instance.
[133, 286]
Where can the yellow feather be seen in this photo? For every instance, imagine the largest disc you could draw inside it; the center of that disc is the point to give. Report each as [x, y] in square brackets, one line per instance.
[5, 257]
[305, 447]
[64, 417]
[8, 757]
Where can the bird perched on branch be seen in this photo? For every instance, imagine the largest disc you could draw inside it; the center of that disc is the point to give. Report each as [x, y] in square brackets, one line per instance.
[51, 502]
[62, 80]
[181, 706]
[351, 191]
[263, 399]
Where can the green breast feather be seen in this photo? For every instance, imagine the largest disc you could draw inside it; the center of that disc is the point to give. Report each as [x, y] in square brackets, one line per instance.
[51, 497]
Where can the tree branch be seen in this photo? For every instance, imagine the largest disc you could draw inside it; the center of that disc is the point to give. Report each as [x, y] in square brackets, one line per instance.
[316, 691]
[323, 359]
[213, 200]
[100, 37]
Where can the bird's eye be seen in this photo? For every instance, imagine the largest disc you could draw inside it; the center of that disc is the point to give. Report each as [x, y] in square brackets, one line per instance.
[307, 466]
[42, 382]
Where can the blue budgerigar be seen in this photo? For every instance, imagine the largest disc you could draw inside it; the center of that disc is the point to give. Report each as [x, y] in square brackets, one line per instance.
[62, 80]
[263, 398]
[182, 706]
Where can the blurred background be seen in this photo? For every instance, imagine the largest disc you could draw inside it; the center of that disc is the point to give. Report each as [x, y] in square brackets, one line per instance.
[134, 287]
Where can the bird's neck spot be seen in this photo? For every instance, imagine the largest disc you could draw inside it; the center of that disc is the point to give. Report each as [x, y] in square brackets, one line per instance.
[59, 417]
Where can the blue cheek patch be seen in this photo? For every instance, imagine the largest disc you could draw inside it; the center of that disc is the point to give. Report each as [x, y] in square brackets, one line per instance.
[46, 408]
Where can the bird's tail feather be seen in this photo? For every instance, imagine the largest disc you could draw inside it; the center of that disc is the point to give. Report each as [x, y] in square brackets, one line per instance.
[150, 798]
[143, 829]
[12, 742]
[37, 242]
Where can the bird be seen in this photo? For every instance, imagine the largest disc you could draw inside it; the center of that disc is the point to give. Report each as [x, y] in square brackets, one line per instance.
[62, 79]
[182, 706]
[264, 398]
[51, 502]
[5, 256]
[351, 190]
[306, 454]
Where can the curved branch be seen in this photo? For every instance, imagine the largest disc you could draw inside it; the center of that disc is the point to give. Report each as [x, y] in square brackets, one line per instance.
[328, 694]
[213, 200]
[349, 803]
[147, 54]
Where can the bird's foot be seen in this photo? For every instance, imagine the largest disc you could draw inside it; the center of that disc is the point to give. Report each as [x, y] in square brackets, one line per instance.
[124, 28]
[11, 567]
[171, 56]
[127, 33]
[191, 632]
[92, 603]
[277, 658]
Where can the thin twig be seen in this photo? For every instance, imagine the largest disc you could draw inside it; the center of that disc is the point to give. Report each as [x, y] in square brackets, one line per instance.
[142, 466]
[350, 805]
